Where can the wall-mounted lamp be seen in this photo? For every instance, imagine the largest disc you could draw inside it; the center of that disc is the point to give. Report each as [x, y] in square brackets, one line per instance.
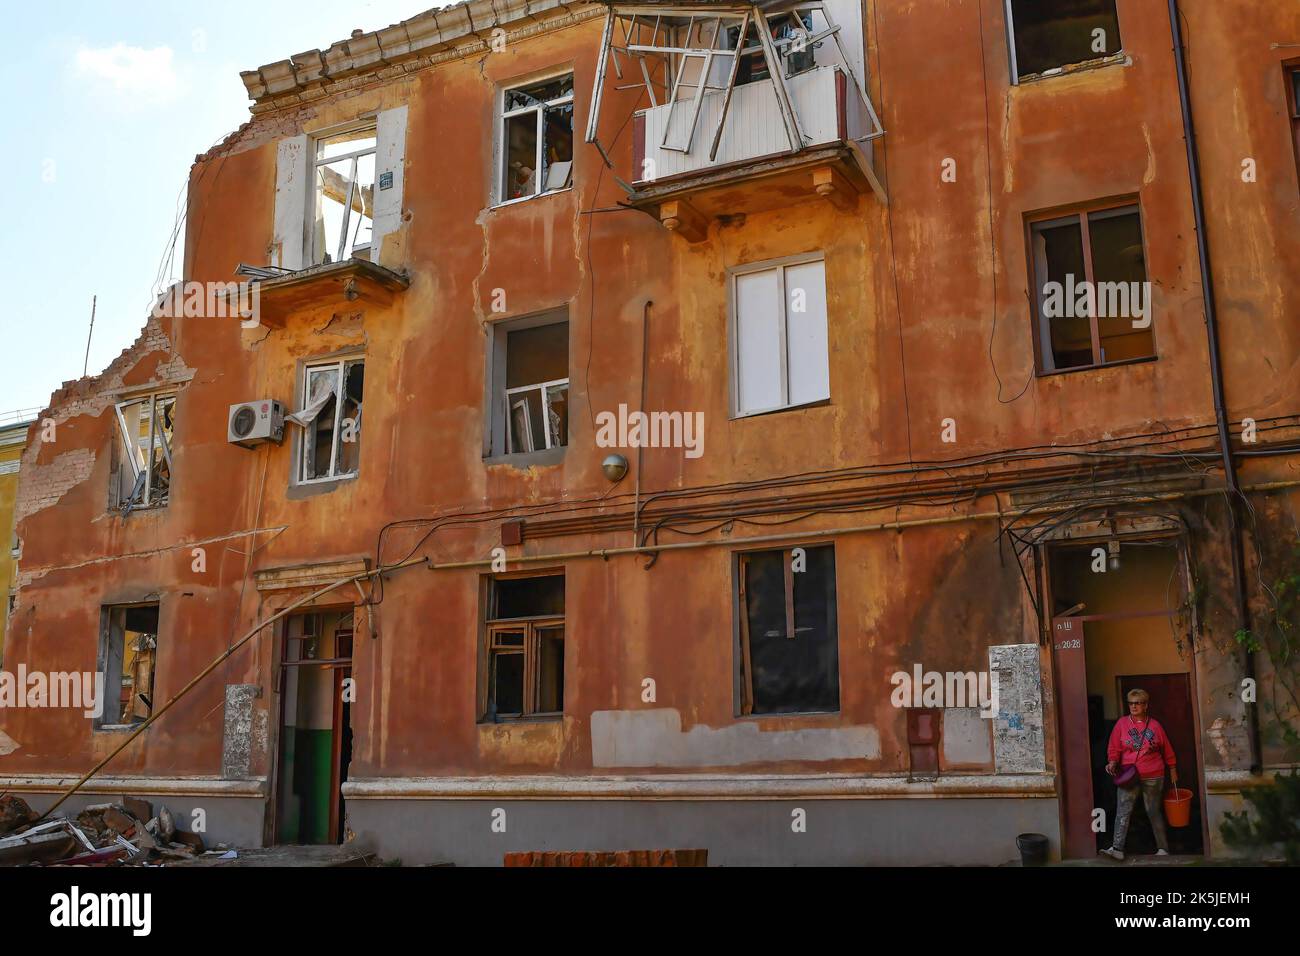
[614, 467]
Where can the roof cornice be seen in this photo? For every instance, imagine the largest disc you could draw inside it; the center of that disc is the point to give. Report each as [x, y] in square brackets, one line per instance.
[404, 47]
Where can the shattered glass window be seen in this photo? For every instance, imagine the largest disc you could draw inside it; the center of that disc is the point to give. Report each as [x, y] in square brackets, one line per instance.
[537, 138]
[145, 426]
[331, 420]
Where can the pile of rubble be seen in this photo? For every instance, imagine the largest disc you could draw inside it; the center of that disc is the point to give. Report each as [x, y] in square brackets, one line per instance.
[107, 834]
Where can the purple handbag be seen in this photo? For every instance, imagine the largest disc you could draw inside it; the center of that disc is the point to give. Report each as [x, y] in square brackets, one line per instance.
[1127, 778]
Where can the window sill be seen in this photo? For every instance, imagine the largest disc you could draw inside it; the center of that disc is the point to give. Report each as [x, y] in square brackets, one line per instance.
[797, 715]
[821, 402]
[515, 202]
[530, 719]
[1069, 69]
[1051, 373]
[319, 486]
[138, 509]
[117, 728]
[525, 460]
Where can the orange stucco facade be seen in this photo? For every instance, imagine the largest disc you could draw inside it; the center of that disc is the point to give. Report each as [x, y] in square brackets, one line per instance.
[929, 319]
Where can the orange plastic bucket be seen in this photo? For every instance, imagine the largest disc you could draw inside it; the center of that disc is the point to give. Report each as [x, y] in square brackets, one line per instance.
[1178, 807]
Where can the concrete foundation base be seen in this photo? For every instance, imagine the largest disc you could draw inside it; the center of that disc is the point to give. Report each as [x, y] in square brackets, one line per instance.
[840, 832]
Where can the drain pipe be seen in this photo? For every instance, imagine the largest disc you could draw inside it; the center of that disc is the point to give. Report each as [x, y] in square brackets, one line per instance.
[1242, 606]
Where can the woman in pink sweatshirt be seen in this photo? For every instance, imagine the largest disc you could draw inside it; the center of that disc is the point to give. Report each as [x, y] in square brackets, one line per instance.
[1139, 739]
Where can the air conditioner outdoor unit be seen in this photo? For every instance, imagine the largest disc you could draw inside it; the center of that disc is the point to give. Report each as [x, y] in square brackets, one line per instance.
[252, 423]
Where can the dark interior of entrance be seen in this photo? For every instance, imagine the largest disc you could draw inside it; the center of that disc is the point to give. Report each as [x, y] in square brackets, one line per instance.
[316, 730]
[1135, 634]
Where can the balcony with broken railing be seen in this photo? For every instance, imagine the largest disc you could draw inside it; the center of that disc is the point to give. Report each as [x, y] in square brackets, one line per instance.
[748, 107]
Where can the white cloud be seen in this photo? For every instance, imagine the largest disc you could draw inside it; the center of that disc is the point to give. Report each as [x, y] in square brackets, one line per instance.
[131, 75]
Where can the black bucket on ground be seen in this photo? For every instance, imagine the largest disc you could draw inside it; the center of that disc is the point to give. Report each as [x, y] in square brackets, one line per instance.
[1033, 849]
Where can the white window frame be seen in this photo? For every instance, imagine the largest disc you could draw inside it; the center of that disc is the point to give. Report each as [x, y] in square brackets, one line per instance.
[340, 366]
[317, 256]
[503, 151]
[733, 330]
[544, 388]
[497, 439]
[129, 442]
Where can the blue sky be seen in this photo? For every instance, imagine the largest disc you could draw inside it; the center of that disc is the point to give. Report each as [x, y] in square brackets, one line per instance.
[108, 102]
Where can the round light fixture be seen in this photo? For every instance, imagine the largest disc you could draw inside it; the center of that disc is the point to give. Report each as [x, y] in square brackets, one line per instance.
[614, 467]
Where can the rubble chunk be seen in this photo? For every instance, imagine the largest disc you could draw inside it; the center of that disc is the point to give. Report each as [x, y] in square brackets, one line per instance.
[14, 813]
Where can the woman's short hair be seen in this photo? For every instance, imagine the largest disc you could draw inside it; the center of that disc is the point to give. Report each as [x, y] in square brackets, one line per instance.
[1137, 695]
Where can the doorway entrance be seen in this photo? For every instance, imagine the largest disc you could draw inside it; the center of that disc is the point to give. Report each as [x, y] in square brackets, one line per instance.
[315, 727]
[1120, 622]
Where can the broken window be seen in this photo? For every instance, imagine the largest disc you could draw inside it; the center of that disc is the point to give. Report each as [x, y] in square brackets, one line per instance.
[530, 385]
[789, 637]
[345, 196]
[143, 452]
[793, 38]
[779, 337]
[1093, 298]
[537, 138]
[331, 420]
[1049, 34]
[127, 656]
[525, 648]
[693, 61]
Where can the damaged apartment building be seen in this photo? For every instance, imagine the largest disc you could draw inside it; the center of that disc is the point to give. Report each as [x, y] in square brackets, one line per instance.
[434, 609]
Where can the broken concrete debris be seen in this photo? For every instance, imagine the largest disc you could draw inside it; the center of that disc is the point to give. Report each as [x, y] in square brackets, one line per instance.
[14, 812]
[104, 834]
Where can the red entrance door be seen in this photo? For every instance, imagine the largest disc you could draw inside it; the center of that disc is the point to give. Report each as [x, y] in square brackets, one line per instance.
[1074, 774]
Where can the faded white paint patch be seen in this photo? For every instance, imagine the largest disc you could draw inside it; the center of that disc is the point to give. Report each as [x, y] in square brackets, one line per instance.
[966, 737]
[654, 738]
[1018, 726]
[7, 744]
[261, 730]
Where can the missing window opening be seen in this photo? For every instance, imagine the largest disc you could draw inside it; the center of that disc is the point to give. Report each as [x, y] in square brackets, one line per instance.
[345, 194]
[1050, 34]
[127, 658]
[789, 636]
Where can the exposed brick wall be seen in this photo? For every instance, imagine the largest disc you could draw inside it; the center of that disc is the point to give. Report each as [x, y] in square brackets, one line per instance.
[43, 485]
[620, 858]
